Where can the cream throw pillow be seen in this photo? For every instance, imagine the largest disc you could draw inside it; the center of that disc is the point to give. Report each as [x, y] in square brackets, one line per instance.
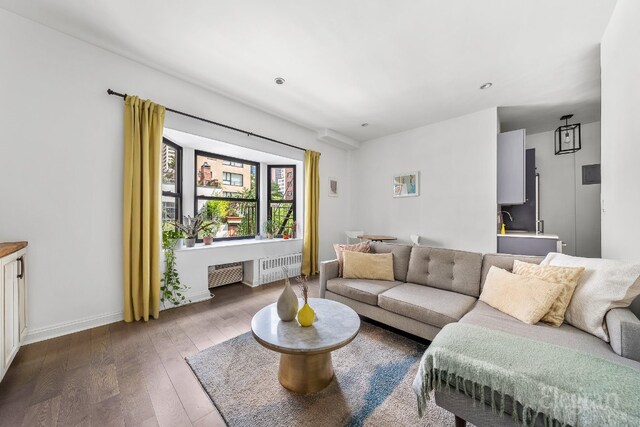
[525, 298]
[340, 249]
[605, 284]
[359, 265]
[566, 276]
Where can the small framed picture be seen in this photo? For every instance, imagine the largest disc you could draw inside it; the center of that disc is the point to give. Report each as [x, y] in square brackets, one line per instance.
[333, 187]
[406, 184]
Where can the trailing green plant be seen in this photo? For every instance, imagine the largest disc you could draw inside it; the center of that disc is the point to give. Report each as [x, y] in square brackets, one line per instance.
[171, 289]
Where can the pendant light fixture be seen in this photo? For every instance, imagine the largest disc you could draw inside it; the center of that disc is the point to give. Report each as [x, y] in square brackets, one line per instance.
[567, 137]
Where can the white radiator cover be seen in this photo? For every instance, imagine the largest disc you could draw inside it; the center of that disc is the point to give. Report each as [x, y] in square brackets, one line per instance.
[270, 269]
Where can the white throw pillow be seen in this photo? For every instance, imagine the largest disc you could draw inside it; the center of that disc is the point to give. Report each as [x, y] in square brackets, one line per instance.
[605, 284]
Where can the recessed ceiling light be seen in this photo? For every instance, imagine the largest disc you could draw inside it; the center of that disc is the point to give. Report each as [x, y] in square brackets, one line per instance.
[279, 80]
[364, 125]
[487, 85]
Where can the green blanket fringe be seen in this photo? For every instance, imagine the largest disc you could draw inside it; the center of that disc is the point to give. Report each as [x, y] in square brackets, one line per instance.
[441, 362]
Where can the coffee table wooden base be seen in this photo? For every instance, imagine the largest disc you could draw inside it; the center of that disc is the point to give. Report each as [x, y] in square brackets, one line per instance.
[305, 373]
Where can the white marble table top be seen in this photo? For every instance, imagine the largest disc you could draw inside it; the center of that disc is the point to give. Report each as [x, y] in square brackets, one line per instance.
[335, 326]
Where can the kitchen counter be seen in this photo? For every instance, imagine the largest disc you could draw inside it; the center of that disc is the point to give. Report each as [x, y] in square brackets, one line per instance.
[7, 248]
[530, 234]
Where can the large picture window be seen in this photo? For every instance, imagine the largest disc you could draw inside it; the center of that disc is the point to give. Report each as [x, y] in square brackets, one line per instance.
[282, 197]
[171, 181]
[227, 188]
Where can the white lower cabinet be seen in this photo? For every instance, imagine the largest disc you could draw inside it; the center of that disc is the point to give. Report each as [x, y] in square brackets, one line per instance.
[13, 307]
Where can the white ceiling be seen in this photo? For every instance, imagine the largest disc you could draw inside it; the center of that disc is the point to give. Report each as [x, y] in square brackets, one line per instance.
[396, 65]
[202, 143]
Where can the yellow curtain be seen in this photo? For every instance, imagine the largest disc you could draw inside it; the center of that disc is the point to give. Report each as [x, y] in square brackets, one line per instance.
[311, 209]
[143, 123]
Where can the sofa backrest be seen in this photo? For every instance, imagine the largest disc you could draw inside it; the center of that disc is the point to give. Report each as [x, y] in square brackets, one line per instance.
[505, 262]
[447, 269]
[400, 257]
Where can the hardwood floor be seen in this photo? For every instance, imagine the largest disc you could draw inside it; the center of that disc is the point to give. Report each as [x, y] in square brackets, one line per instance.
[131, 374]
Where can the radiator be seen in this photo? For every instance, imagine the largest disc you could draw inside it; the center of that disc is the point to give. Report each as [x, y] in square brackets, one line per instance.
[270, 269]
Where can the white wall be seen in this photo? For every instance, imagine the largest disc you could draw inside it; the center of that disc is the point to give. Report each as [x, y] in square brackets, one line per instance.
[569, 209]
[457, 204]
[620, 62]
[61, 165]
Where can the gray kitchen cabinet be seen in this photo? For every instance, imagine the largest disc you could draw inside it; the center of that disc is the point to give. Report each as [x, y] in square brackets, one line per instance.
[512, 168]
[519, 245]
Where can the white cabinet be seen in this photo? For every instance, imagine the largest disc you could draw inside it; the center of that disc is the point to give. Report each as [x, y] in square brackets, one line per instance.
[13, 307]
[511, 168]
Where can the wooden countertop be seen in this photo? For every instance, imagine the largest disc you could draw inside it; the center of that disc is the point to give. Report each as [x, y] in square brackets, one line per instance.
[7, 248]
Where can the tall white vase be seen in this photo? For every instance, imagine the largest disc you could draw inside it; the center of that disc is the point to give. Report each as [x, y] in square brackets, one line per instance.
[287, 303]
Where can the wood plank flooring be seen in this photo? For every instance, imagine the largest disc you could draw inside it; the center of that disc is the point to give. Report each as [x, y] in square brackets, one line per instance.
[129, 374]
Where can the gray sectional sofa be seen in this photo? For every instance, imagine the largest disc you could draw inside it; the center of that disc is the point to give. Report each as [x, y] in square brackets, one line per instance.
[434, 287]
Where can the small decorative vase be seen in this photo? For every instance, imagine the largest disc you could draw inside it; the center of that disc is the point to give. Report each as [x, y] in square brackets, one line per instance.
[306, 315]
[287, 303]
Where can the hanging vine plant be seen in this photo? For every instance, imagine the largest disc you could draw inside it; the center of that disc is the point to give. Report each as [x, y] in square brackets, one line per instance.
[171, 290]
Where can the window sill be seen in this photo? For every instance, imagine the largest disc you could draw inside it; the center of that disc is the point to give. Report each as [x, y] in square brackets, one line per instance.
[242, 242]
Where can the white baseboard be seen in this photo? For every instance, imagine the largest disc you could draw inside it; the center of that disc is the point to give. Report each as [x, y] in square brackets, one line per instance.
[65, 328]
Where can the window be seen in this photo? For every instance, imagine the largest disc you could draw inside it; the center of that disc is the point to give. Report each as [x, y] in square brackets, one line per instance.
[171, 181]
[230, 196]
[282, 197]
[234, 179]
[234, 164]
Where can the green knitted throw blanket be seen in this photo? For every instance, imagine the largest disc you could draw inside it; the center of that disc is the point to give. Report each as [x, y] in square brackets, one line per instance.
[562, 385]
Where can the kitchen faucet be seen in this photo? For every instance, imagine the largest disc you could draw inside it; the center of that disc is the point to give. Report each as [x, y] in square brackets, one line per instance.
[501, 217]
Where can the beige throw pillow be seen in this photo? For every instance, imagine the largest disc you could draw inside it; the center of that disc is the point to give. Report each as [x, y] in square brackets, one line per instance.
[605, 284]
[566, 276]
[525, 298]
[359, 265]
[340, 249]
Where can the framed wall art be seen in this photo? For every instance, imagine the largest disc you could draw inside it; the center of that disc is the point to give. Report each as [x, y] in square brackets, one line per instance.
[406, 184]
[333, 187]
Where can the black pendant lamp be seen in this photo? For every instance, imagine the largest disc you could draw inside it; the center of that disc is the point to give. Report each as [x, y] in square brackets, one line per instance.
[567, 137]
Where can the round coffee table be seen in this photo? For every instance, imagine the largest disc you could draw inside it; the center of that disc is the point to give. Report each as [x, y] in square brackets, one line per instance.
[305, 359]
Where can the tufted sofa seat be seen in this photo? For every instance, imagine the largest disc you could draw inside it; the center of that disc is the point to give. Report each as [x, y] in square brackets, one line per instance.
[432, 287]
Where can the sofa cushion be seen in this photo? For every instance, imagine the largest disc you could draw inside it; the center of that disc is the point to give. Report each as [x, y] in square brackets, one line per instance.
[447, 269]
[526, 298]
[504, 262]
[566, 335]
[367, 266]
[341, 249]
[433, 306]
[567, 276]
[605, 284]
[362, 290]
[400, 257]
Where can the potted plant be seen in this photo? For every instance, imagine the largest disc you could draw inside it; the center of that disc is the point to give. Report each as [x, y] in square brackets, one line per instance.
[171, 235]
[208, 231]
[294, 230]
[270, 228]
[191, 226]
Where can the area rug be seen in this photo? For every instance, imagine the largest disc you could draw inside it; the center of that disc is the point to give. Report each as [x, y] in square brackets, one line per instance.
[372, 385]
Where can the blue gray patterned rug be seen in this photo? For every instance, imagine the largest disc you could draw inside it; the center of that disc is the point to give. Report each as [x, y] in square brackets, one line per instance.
[372, 386]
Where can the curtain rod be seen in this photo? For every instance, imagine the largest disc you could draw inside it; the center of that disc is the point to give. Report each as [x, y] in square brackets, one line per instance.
[124, 95]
